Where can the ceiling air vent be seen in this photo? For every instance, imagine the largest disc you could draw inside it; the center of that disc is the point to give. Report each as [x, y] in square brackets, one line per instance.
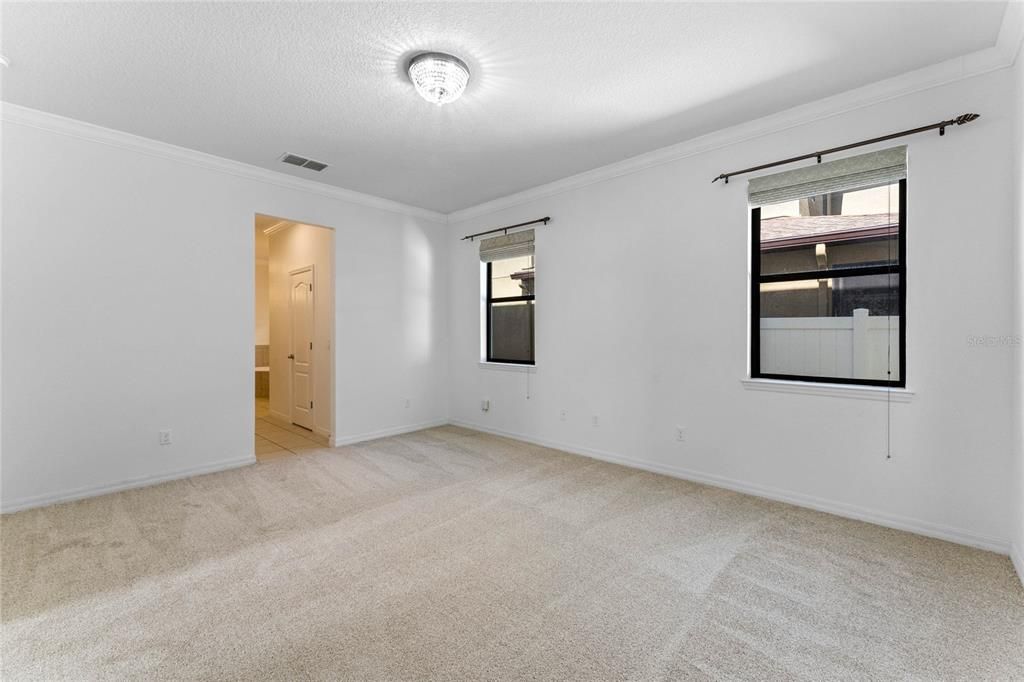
[314, 165]
[303, 162]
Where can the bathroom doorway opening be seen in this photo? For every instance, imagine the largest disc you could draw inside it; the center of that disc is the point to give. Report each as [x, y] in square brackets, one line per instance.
[293, 337]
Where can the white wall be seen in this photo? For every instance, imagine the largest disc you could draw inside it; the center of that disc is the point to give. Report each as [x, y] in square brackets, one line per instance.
[628, 262]
[262, 331]
[292, 248]
[262, 335]
[1018, 473]
[128, 271]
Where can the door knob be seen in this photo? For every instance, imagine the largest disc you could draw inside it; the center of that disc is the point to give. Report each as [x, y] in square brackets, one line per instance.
[291, 356]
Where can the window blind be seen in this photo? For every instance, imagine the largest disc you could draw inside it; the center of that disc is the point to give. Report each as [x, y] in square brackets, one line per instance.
[865, 170]
[507, 246]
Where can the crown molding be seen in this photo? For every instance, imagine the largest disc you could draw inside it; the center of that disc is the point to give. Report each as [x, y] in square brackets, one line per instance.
[32, 118]
[1011, 31]
[277, 227]
[1000, 56]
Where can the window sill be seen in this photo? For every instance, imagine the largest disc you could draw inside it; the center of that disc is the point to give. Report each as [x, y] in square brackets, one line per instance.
[896, 395]
[508, 367]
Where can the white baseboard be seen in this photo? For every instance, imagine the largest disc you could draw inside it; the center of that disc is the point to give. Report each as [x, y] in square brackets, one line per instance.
[1017, 557]
[384, 433]
[957, 535]
[279, 416]
[8, 506]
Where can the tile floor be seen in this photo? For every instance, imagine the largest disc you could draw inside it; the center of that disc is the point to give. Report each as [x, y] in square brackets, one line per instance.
[275, 440]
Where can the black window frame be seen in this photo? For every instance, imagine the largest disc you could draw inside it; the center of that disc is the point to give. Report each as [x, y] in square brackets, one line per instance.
[757, 279]
[490, 301]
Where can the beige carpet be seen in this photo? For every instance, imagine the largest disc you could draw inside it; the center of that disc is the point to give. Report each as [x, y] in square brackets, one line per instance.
[449, 554]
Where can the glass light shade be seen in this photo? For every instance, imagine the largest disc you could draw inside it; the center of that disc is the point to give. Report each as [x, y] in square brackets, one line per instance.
[439, 78]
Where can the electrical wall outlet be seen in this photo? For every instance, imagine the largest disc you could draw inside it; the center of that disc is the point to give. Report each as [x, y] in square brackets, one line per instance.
[595, 420]
[408, 403]
[485, 405]
[563, 415]
[681, 434]
[165, 437]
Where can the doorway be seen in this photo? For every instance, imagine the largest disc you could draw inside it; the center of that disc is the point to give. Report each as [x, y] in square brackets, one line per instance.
[294, 380]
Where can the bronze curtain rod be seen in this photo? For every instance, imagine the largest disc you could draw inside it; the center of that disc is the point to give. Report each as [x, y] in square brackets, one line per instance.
[941, 125]
[505, 229]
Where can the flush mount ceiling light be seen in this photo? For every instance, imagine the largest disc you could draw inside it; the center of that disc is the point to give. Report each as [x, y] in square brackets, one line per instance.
[439, 78]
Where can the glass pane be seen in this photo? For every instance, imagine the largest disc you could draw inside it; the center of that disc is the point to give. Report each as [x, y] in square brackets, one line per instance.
[512, 331]
[831, 231]
[512, 277]
[842, 327]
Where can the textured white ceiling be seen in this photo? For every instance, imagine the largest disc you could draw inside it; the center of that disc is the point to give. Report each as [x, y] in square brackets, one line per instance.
[556, 88]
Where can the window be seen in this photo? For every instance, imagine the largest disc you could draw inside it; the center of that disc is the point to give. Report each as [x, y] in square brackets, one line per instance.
[828, 285]
[509, 293]
[510, 301]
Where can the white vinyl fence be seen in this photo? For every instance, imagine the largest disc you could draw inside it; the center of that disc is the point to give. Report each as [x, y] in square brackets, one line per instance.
[852, 347]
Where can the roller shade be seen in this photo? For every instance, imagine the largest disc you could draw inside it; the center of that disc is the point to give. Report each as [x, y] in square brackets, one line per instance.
[507, 246]
[865, 170]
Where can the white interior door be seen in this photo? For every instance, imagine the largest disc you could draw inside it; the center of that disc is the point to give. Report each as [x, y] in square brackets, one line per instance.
[301, 352]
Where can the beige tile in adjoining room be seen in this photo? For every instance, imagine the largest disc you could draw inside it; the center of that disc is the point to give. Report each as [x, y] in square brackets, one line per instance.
[271, 425]
[292, 433]
[276, 442]
[293, 442]
[278, 438]
[275, 434]
[264, 427]
[308, 446]
[307, 434]
[272, 456]
[268, 446]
